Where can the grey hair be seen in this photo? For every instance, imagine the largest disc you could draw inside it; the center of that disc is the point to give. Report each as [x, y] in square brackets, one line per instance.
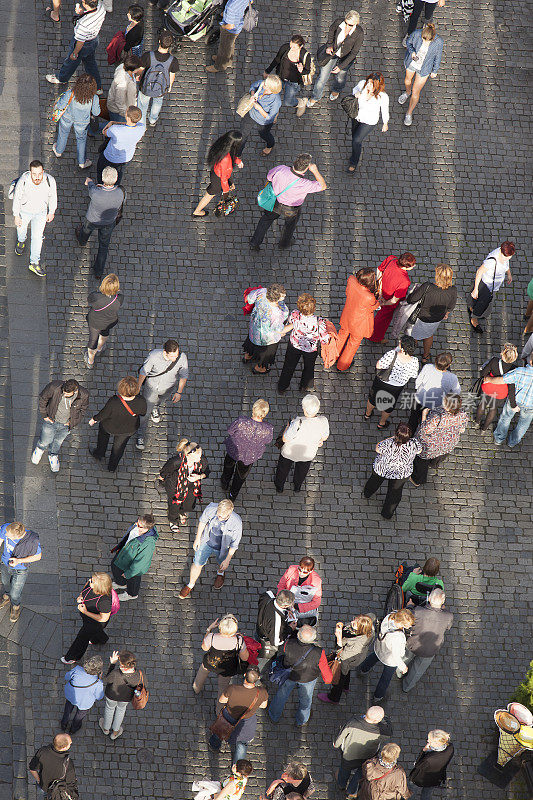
[375, 714]
[437, 597]
[93, 665]
[306, 634]
[311, 405]
[109, 176]
[285, 599]
[352, 17]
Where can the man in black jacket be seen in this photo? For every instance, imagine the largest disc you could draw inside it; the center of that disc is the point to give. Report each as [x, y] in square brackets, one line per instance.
[63, 405]
[274, 622]
[52, 763]
[345, 38]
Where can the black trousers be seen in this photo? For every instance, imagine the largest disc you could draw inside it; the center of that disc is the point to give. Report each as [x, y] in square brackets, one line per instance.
[421, 467]
[393, 496]
[233, 475]
[487, 406]
[417, 10]
[301, 468]
[484, 299]
[91, 631]
[103, 162]
[132, 585]
[335, 693]
[292, 357]
[415, 417]
[117, 449]
[104, 237]
[77, 719]
[291, 215]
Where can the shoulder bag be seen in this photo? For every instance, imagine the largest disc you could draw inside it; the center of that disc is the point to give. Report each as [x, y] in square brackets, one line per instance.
[308, 78]
[278, 672]
[126, 406]
[384, 373]
[140, 695]
[323, 58]
[97, 310]
[57, 790]
[334, 663]
[350, 106]
[267, 197]
[246, 103]
[278, 442]
[61, 105]
[413, 317]
[223, 728]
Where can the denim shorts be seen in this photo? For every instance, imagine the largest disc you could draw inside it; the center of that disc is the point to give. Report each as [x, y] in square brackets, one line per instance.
[204, 553]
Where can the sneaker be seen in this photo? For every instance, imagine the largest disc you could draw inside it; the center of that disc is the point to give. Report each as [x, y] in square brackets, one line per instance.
[64, 660]
[125, 596]
[52, 79]
[333, 95]
[19, 248]
[86, 164]
[408, 120]
[155, 416]
[37, 270]
[54, 463]
[403, 98]
[54, 151]
[99, 92]
[101, 724]
[36, 455]
[117, 585]
[404, 41]
[152, 123]
[5, 601]
[139, 444]
[15, 613]
[116, 734]
[310, 102]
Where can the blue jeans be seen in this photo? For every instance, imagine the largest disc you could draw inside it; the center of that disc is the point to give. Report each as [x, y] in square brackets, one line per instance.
[360, 131]
[305, 698]
[87, 56]
[13, 580]
[38, 223]
[63, 130]
[290, 94]
[386, 676]
[53, 434]
[525, 417]
[347, 783]
[143, 102]
[339, 79]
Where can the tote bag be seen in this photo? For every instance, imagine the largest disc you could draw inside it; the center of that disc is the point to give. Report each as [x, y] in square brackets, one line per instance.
[267, 197]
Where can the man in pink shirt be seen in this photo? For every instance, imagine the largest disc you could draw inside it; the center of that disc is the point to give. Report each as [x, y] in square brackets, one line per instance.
[289, 182]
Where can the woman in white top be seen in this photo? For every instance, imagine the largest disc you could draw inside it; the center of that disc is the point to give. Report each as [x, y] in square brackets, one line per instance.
[389, 649]
[489, 277]
[307, 331]
[372, 101]
[301, 439]
[400, 366]
[422, 59]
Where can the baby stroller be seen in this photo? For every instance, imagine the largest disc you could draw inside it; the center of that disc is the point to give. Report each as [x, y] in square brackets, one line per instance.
[194, 19]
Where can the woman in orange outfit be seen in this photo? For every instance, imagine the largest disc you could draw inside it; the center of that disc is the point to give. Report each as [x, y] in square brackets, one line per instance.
[357, 318]
[394, 285]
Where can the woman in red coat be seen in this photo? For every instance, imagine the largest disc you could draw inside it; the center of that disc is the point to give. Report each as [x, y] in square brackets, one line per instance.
[394, 283]
[223, 155]
[357, 318]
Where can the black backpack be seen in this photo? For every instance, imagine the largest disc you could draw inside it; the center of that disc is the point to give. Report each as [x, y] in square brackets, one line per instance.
[350, 106]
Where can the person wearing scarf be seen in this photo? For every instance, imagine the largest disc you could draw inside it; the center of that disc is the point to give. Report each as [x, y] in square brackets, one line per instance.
[182, 477]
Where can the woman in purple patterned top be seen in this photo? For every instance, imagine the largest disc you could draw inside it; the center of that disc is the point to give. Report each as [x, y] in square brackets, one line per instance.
[245, 443]
[267, 327]
[438, 434]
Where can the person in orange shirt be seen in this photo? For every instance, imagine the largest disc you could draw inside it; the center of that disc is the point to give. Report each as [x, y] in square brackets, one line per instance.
[357, 318]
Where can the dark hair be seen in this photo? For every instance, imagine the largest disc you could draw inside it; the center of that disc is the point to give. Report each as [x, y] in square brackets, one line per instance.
[36, 164]
[91, 3]
[166, 40]
[136, 12]
[367, 277]
[443, 361]
[302, 161]
[307, 561]
[297, 39]
[84, 88]
[376, 77]
[171, 346]
[131, 62]
[406, 260]
[230, 142]
[402, 433]
[70, 385]
[508, 249]
[408, 345]
[431, 567]
[126, 659]
[306, 304]
[148, 519]
[252, 675]
[244, 767]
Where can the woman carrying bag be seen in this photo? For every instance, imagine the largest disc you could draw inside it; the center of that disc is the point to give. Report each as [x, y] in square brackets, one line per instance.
[222, 157]
[95, 605]
[182, 477]
[293, 65]
[262, 107]
[353, 641]
[123, 683]
[84, 102]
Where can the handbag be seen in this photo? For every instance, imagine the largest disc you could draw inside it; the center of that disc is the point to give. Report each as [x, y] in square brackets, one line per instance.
[278, 442]
[350, 106]
[251, 18]
[267, 197]
[308, 78]
[140, 695]
[384, 373]
[279, 673]
[323, 58]
[246, 103]
[61, 105]
[226, 205]
[249, 307]
[334, 663]
[223, 728]
[412, 318]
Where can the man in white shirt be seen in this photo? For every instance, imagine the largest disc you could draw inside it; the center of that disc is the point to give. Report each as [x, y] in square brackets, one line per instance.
[34, 203]
[301, 439]
[91, 16]
[489, 278]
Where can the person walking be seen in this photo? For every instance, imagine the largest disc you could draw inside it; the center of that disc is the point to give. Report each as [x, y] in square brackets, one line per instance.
[161, 370]
[492, 393]
[306, 585]
[83, 687]
[393, 371]
[307, 331]
[522, 378]
[103, 315]
[83, 102]
[389, 649]
[337, 55]
[21, 548]
[276, 621]
[428, 6]
[222, 157]
[134, 31]
[394, 463]
[489, 279]
[223, 653]
[105, 205]
[352, 643]
[95, 603]
[301, 438]
[121, 683]
[160, 68]
[63, 405]
[292, 63]
[357, 318]
[372, 101]
[88, 20]
[382, 778]
[230, 28]
[431, 384]
[240, 707]
[53, 763]
[307, 661]
[291, 183]
[436, 302]
[246, 441]
[359, 740]
[122, 141]
[133, 557]
[439, 434]
[123, 90]
[182, 477]
[421, 581]
[266, 328]
[430, 766]
[426, 639]
[264, 111]
[119, 418]
[34, 204]
[219, 533]
[422, 59]
[393, 283]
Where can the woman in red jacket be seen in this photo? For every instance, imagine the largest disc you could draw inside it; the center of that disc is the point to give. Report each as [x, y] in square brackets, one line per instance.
[306, 586]
[357, 318]
[393, 283]
[223, 155]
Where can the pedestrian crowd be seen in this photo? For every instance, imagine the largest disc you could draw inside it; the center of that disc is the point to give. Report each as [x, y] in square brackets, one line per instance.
[382, 305]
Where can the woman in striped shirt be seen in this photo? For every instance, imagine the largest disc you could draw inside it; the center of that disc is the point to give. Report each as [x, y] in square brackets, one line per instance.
[394, 463]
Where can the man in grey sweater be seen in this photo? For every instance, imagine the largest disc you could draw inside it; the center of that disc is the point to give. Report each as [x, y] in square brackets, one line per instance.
[359, 740]
[34, 203]
[427, 637]
[106, 202]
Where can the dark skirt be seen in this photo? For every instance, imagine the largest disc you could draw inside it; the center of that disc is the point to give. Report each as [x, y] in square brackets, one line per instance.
[263, 355]
[215, 185]
[384, 396]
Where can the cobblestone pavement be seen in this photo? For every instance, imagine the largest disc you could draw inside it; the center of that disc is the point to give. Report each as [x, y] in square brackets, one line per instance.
[449, 189]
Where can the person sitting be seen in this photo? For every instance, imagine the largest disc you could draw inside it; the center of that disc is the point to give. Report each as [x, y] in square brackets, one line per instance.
[421, 581]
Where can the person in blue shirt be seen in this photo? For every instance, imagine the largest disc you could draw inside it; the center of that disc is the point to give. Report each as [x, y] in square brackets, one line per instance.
[21, 547]
[122, 141]
[264, 110]
[230, 27]
[522, 378]
[83, 687]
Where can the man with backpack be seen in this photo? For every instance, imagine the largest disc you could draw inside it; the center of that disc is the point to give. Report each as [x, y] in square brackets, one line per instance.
[53, 770]
[34, 197]
[106, 201]
[122, 142]
[160, 69]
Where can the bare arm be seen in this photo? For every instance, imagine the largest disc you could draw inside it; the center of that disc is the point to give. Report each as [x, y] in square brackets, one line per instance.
[479, 274]
[314, 169]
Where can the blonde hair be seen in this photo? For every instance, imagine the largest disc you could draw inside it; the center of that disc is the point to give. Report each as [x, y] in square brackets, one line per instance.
[352, 17]
[101, 583]
[273, 84]
[439, 738]
[228, 625]
[391, 752]
[260, 408]
[110, 285]
[429, 32]
[403, 617]
[185, 446]
[509, 353]
[17, 529]
[224, 506]
[443, 276]
[364, 625]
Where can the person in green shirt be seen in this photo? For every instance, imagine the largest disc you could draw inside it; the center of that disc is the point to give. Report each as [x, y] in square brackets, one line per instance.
[133, 557]
[428, 575]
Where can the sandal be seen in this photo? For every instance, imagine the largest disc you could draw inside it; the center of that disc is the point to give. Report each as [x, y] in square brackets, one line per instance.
[51, 10]
[205, 214]
[256, 372]
[382, 427]
[266, 151]
[183, 519]
[366, 418]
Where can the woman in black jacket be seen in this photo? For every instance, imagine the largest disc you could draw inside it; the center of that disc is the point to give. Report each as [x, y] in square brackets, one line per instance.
[182, 477]
[121, 683]
[118, 418]
[292, 62]
[437, 302]
[429, 770]
[103, 316]
[345, 38]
